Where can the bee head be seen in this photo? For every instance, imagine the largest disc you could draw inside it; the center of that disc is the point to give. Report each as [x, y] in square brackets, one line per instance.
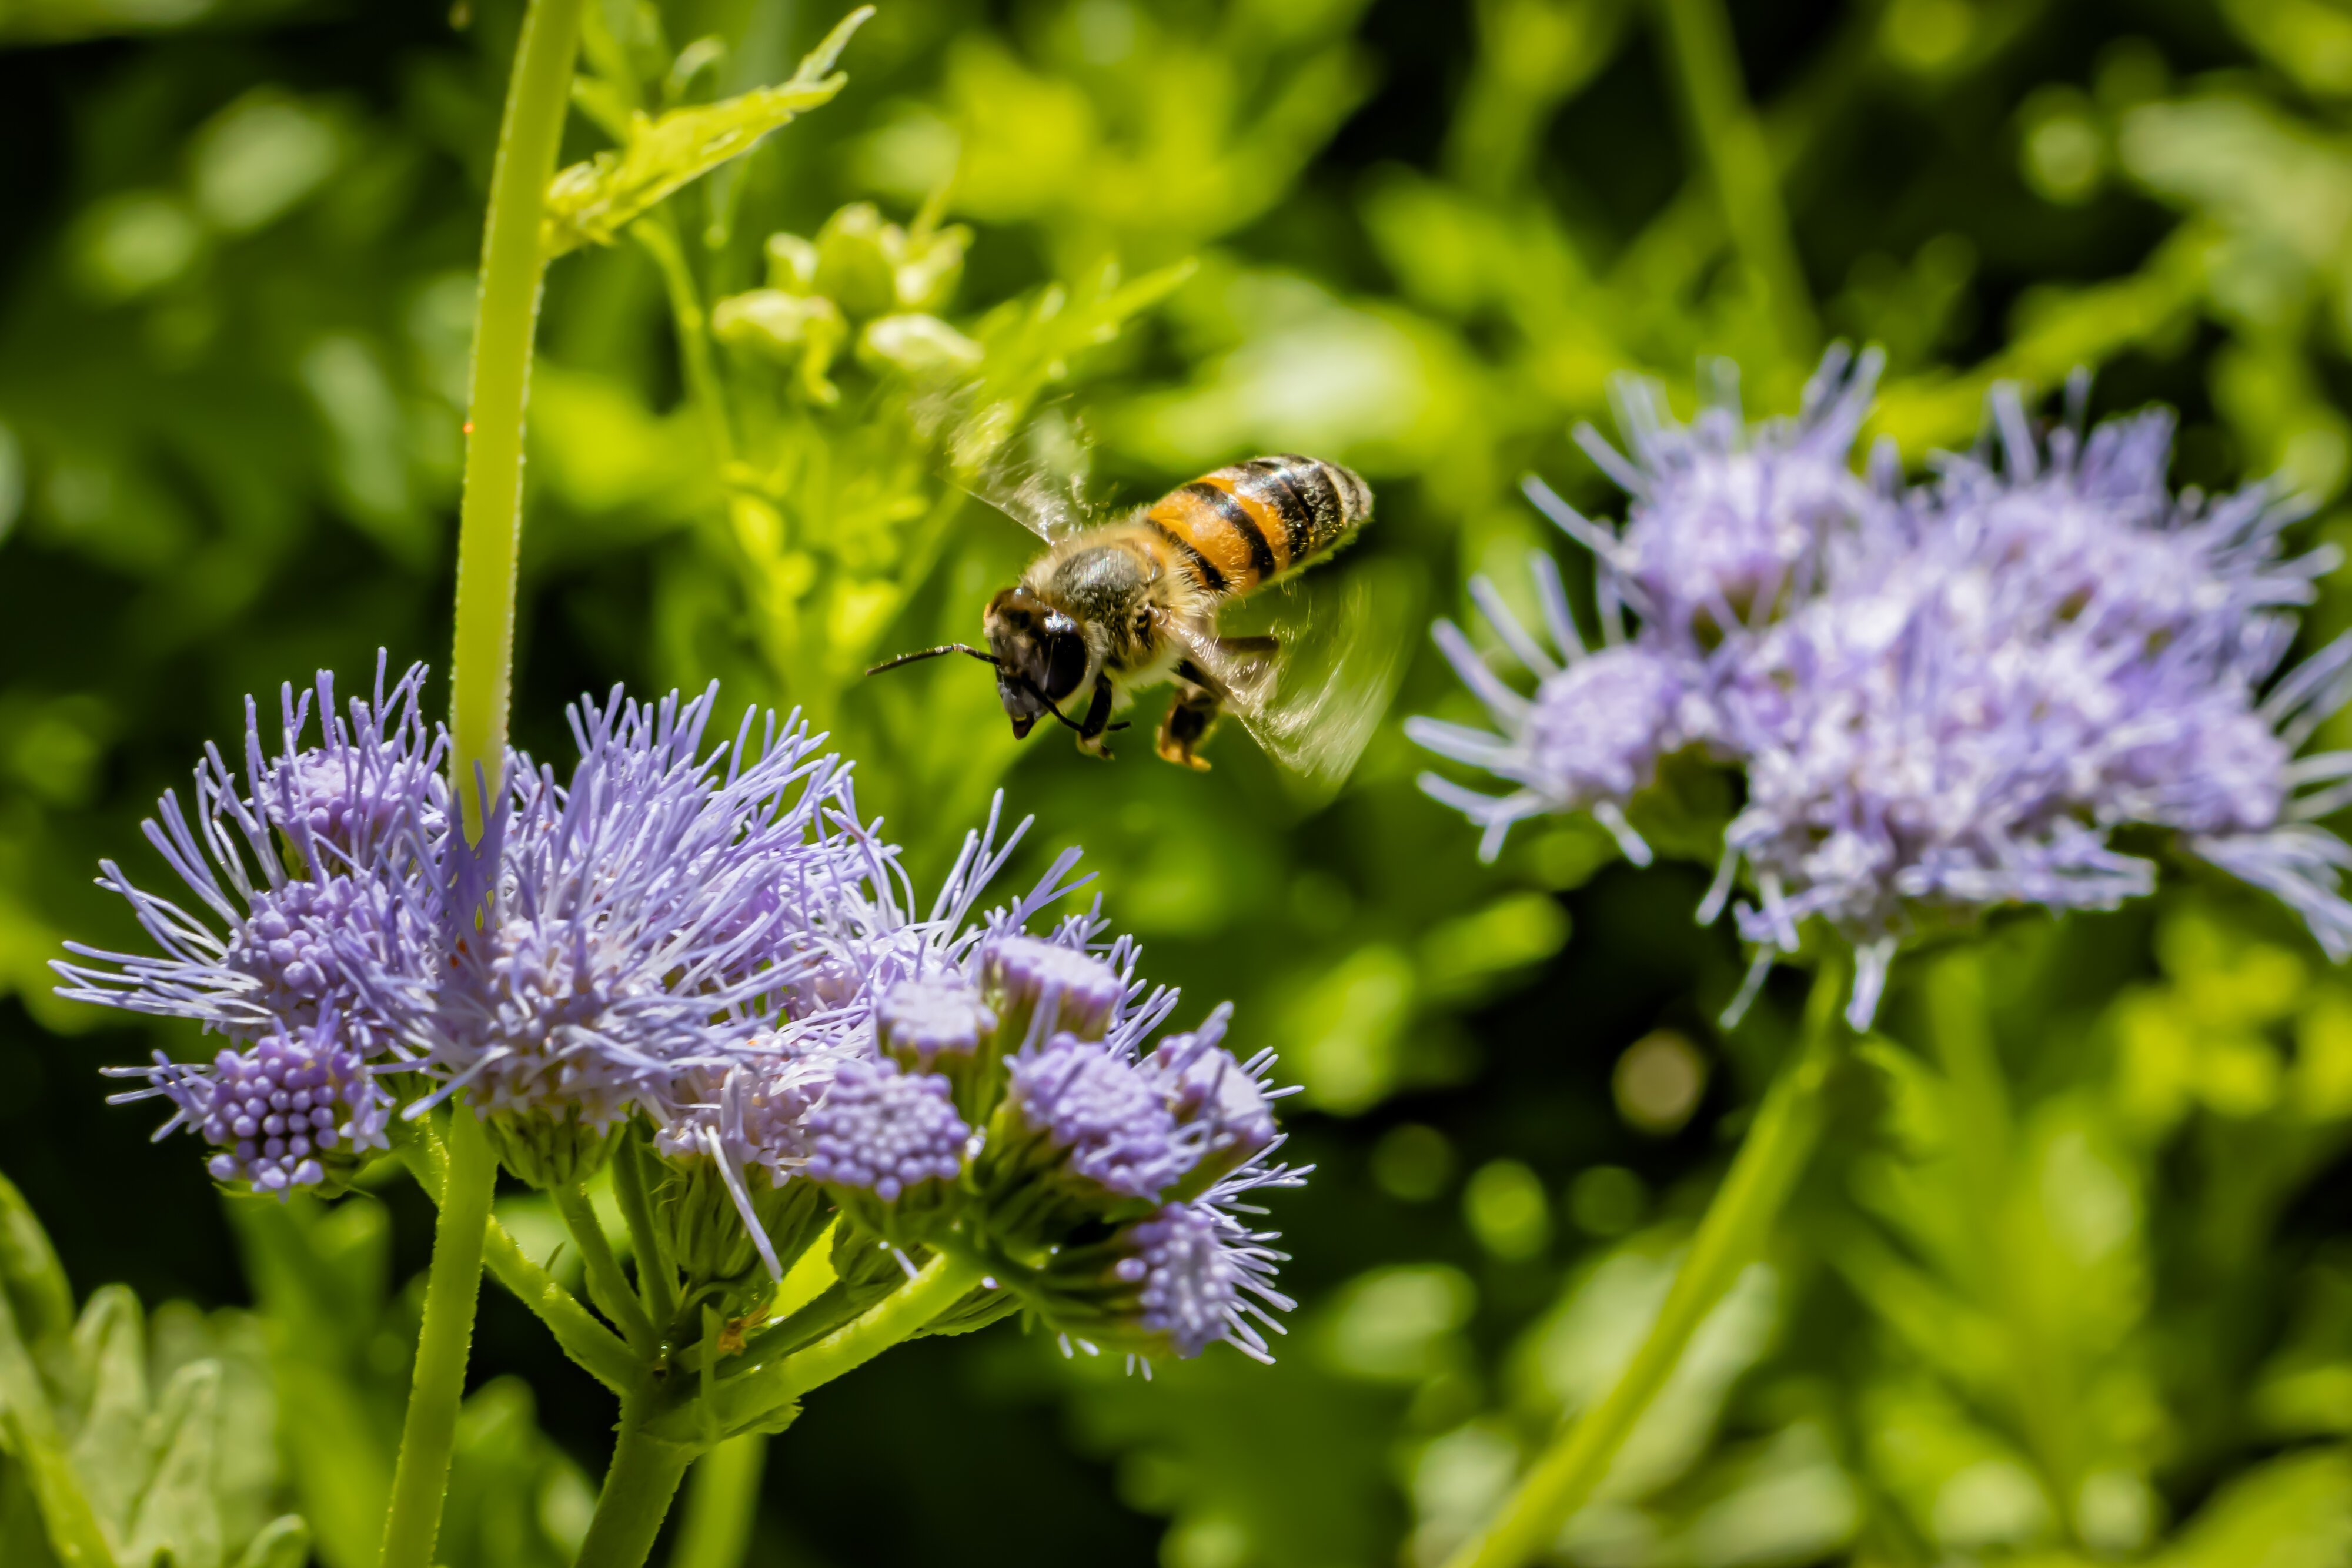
[1040, 655]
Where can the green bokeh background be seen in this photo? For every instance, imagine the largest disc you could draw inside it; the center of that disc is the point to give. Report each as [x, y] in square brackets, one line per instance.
[2071, 1282]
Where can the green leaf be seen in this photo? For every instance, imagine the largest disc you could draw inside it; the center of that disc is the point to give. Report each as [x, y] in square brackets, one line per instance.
[177, 1512]
[28, 1430]
[109, 1447]
[31, 1274]
[592, 203]
[284, 1542]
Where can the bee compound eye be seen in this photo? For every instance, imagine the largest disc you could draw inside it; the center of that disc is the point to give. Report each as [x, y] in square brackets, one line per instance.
[1065, 665]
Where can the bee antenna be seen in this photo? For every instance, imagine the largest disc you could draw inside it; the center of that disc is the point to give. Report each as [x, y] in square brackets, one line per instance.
[921, 654]
[987, 658]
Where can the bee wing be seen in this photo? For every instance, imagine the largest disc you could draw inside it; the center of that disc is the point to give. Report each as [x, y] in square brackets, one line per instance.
[1314, 699]
[1037, 476]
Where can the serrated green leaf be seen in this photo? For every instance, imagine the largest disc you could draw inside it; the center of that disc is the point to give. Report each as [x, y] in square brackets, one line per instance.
[176, 1511]
[110, 1449]
[30, 1431]
[592, 203]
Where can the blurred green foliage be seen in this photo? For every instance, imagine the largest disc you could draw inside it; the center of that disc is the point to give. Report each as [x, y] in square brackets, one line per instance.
[2071, 1280]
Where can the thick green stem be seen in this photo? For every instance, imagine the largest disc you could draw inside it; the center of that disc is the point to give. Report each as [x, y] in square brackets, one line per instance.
[722, 1504]
[506, 316]
[1737, 1224]
[1739, 163]
[422, 1475]
[597, 1350]
[608, 1286]
[639, 1487]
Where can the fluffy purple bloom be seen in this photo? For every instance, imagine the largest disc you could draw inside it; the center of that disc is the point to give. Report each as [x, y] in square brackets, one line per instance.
[1221, 1103]
[1198, 1276]
[639, 916]
[1090, 1105]
[886, 1132]
[1943, 701]
[1588, 740]
[1727, 519]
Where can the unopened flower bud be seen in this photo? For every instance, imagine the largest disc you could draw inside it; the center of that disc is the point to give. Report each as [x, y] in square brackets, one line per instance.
[296, 1111]
[548, 1151]
[889, 1145]
[1038, 987]
[792, 263]
[1080, 1135]
[939, 1024]
[929, 267]
[919, 347]
[852, 267]
[694, 1201]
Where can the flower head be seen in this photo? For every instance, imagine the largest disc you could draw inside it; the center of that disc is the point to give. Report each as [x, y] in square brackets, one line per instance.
[885, 1131]
[296, 1110]
[1943, 701]
[634, 928]
[1097, 1116]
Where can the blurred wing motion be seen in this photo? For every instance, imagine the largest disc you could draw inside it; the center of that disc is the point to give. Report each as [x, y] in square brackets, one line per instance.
[1038, 477]
[1314, 699]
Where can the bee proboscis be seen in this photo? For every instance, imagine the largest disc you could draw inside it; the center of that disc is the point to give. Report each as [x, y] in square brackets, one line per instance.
[1112, 608]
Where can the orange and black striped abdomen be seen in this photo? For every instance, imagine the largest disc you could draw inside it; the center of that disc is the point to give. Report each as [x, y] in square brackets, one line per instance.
[1248, 524]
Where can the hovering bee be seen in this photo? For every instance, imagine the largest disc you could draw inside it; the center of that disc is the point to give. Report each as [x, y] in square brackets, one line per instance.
[1112, 608]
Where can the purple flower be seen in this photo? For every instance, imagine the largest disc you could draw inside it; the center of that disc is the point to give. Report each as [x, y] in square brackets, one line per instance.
[1040, 984]
[1728, 520]
[1097, 1116]
[1195, 1273]
[642, 916]
[886, 1132]
[1221, 1104]
[283, 1112]
[919, 1021]
[1943, 701]
[1591, 737]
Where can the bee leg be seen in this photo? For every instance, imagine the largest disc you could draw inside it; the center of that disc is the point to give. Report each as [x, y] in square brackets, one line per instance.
[1187, 723]
[1097, 719]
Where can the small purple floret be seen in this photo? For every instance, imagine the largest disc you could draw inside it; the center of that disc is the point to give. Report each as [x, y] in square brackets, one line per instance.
[885, 1131]
[1033, 971]
[1103, 1114]
[927, 1018]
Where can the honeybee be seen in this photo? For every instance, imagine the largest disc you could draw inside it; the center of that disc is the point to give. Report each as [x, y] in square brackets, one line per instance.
[1113, 608]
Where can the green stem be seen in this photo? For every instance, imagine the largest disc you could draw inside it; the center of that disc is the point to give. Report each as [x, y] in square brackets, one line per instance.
[722, 1504]
[656, 1276]
[639, 1487]
[429, 1431]
[608, 1286]
[506, 316]
[1739, 163]
[1736, 1227]
[597, 1349]
[658, 233]
[764, 1387]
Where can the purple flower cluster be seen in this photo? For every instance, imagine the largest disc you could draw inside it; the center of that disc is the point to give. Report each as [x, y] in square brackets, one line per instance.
[1941, 699]
[704, 940]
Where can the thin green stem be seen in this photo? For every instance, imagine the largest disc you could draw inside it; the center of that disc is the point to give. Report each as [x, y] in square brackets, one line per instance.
[765, 1386]
[1737, 1224]
[721, 1503]
[452, 1283]
[657, 233]
[597, 1349]
[506, 318]
[608, 1286]
[656, 1276]
[639, 1487]
[1739, 163]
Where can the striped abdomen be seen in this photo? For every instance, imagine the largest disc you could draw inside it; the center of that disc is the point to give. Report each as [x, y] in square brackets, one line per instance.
[1254, 521]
